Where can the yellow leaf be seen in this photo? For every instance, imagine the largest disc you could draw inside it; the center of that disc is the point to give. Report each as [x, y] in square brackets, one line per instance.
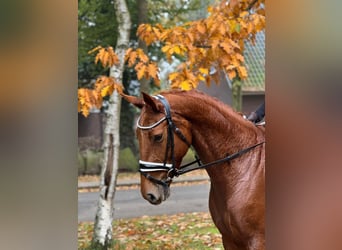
[204, 71]
[85, 111]
[105, 91]
[173, 76]
[200, 77]
[177, 49]
[94, 49]
[242, 72]
[185, 85]
[165, 48]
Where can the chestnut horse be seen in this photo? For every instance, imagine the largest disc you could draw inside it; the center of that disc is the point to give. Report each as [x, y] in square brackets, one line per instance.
[230, 148]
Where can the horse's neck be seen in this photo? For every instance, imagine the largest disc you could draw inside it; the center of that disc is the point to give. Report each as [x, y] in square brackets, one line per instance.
[217, 130]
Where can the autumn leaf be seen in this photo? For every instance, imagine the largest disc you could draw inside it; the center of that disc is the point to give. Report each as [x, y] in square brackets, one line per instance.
[108, 90]
[240, 57]
[106, 56]
[165, 48]
[118, 87]
[132, 58]
[94, 49]
[180, 231]
[226, 47]
[242, 72]
[204, 71]
[217, 40]
[185, 85]
[173, 76]
[142, 56]
[152, 70]
[231, 74]
[156, 81]
[141, 71]
[201, 28]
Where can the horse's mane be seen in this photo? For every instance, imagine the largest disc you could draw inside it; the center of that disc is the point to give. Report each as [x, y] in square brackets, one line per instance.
[213, 101]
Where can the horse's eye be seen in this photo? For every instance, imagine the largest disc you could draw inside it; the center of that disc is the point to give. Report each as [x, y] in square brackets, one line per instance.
[158, 138]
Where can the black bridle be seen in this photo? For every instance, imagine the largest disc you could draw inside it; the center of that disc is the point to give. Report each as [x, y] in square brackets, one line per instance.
[170, 168]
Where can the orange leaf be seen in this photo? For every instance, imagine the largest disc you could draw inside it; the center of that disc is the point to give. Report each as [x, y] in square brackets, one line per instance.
[165, 49]
[201, 28]
[141, 72]
[132, 58]
[240, 57]
[226, 47]
[156, 82]
[231, 74]
[152, 70]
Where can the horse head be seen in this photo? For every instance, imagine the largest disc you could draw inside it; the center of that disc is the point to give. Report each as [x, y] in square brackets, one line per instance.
[161, 152]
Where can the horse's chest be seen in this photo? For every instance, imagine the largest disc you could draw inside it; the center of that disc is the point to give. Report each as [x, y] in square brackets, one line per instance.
[229, 216]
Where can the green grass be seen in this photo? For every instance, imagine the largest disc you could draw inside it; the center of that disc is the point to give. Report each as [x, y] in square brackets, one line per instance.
[181, 231]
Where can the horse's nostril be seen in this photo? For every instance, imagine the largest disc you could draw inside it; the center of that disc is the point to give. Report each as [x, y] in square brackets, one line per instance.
[151, 197]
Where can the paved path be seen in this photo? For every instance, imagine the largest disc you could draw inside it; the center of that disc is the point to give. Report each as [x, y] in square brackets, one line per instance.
[129, 203]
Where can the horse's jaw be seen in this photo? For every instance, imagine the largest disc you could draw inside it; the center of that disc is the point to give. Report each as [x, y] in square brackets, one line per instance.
[156, 194]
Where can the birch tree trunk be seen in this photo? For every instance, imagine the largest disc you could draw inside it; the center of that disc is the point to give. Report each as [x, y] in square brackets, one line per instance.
[103, 231]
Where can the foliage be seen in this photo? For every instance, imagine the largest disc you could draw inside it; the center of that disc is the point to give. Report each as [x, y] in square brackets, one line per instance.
[96, 25]
[104, 86]
[181, 231]
[214, 42]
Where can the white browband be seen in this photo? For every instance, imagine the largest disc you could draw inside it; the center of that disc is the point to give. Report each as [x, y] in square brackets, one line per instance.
[151, 126]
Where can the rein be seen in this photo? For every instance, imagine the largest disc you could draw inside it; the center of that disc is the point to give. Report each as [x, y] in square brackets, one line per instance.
[146, 167]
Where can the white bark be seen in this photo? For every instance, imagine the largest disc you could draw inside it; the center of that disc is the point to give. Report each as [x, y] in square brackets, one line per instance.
[103, 222]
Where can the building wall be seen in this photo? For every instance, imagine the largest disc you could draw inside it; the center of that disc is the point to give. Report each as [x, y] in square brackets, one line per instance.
[90, 131]
[220, 91]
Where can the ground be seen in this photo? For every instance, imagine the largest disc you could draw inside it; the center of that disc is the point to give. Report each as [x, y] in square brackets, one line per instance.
[180, 231]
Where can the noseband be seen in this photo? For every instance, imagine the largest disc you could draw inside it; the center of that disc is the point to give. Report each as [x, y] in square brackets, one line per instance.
[145, 167]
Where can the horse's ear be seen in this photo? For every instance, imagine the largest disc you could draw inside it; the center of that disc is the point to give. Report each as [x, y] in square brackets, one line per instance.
[150, 101]
[136, 101]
